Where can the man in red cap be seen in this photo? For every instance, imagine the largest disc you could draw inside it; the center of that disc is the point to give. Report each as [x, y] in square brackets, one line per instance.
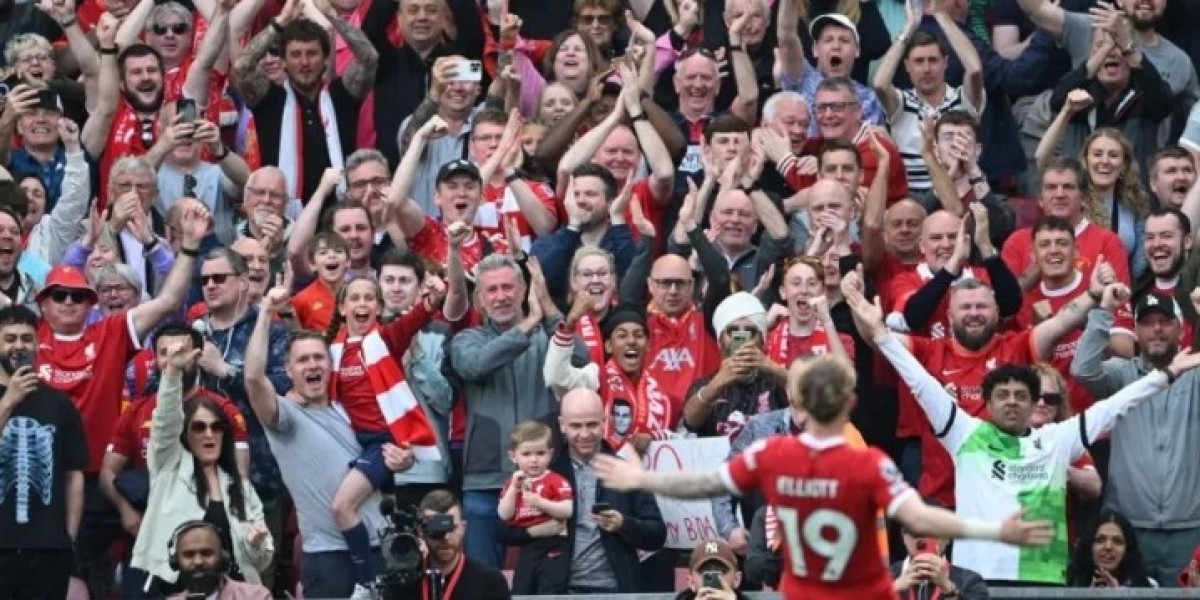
[712, 573]
[87, 362]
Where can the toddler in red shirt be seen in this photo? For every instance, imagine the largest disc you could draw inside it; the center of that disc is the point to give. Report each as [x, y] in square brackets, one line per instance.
[537, 495]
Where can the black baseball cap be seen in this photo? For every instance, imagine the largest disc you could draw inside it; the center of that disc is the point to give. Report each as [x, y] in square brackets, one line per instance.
[49, 100]
[1156, 302]
[456, 167]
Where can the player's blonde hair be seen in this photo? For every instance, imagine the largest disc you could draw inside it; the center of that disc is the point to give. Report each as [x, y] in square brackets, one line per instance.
[821, 386]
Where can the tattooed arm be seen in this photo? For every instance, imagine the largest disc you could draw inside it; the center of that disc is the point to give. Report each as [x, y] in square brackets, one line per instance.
[359, 76]
[251, 79]
[1047, 333]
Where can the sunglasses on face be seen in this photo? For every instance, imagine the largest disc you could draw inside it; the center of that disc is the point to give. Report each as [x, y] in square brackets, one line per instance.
[175, 28]
[599, 19]
[202, 427]
[1052, 399]
[217, 278]
[60, 296]
[739, 329]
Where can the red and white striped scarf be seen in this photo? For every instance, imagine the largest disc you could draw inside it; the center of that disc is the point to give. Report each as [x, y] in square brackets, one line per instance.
[649, 405]
[405, 417]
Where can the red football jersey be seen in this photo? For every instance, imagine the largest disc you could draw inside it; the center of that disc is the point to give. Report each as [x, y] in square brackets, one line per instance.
[827, 497]
[90, 368]
[904, 285]
[1040, 304]
[131, 436]
[680, 351]
[961, 372]
[643, 194]
[890, 267]
[431, 242]
[550, 485]
[1090, 243]
[783, 346]
[499, 203]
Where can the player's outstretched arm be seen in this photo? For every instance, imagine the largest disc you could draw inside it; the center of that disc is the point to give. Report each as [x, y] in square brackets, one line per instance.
[625, 475]
[924, 520]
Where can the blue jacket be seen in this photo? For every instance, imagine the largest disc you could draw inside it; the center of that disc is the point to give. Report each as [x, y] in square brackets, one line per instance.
[264, 471]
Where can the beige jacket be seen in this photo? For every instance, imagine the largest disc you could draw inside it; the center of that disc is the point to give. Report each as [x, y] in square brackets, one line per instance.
[173, 496]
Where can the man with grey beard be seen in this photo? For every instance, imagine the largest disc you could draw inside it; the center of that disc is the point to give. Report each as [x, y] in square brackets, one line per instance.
[1153, 477]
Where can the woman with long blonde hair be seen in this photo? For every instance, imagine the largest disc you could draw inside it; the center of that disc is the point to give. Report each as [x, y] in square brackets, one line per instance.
[1116, 199]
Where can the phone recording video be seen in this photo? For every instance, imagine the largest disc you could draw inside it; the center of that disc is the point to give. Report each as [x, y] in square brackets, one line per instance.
[187, 108]
[21, 358]
[468, 71]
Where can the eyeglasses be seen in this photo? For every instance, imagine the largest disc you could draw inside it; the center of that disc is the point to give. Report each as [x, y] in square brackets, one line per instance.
[1051, 399]
[217, 278]
[202, 427]
[363, 184]
[274, 50]
[604, 19]
[175, 28]
[30, 58]
[189, 186]
[118, 290]
[672, 283]
[837, 107]
[77, 296]
[601, 274]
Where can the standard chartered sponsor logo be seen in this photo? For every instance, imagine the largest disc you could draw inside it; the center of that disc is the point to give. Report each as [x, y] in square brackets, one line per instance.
[1019, 473]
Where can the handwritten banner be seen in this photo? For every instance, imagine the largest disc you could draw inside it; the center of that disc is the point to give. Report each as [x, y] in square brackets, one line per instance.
[688, 521]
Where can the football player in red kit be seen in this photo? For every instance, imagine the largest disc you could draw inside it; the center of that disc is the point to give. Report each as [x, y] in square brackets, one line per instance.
[825, 494]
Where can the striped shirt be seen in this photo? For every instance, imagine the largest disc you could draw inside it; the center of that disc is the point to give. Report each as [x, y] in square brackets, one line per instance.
[906, 128]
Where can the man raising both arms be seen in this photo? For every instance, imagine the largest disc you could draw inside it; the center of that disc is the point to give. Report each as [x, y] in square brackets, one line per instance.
[816, 478]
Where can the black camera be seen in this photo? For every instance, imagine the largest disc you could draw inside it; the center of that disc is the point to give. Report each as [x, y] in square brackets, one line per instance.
[401, 548]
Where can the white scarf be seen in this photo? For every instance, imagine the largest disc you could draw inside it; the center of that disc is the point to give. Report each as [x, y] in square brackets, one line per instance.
[291, 148]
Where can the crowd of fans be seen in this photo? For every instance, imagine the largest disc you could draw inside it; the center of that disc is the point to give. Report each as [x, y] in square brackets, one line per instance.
[264, 263]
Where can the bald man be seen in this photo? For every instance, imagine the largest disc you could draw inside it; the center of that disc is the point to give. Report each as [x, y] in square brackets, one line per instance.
[902, 224]
[605, 544]
[683, 347]
[735, 218]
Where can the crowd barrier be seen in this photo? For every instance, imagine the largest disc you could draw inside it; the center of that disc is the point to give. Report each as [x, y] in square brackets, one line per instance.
[996, 593]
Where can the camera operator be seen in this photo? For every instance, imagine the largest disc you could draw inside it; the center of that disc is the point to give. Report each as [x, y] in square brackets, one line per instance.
[448, 574]
[713, 573]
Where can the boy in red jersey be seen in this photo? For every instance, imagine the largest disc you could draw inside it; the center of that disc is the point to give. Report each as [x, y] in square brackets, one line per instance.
[825, 494]
[533, 496]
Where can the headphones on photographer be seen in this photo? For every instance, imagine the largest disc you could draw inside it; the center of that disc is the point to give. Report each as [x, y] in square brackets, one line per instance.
[173, 558]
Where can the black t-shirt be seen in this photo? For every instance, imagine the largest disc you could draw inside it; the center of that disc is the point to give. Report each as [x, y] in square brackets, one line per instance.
[268, 114]
[42, 440]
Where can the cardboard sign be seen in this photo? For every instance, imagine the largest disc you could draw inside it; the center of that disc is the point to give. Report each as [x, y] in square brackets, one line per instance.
[688, 521]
